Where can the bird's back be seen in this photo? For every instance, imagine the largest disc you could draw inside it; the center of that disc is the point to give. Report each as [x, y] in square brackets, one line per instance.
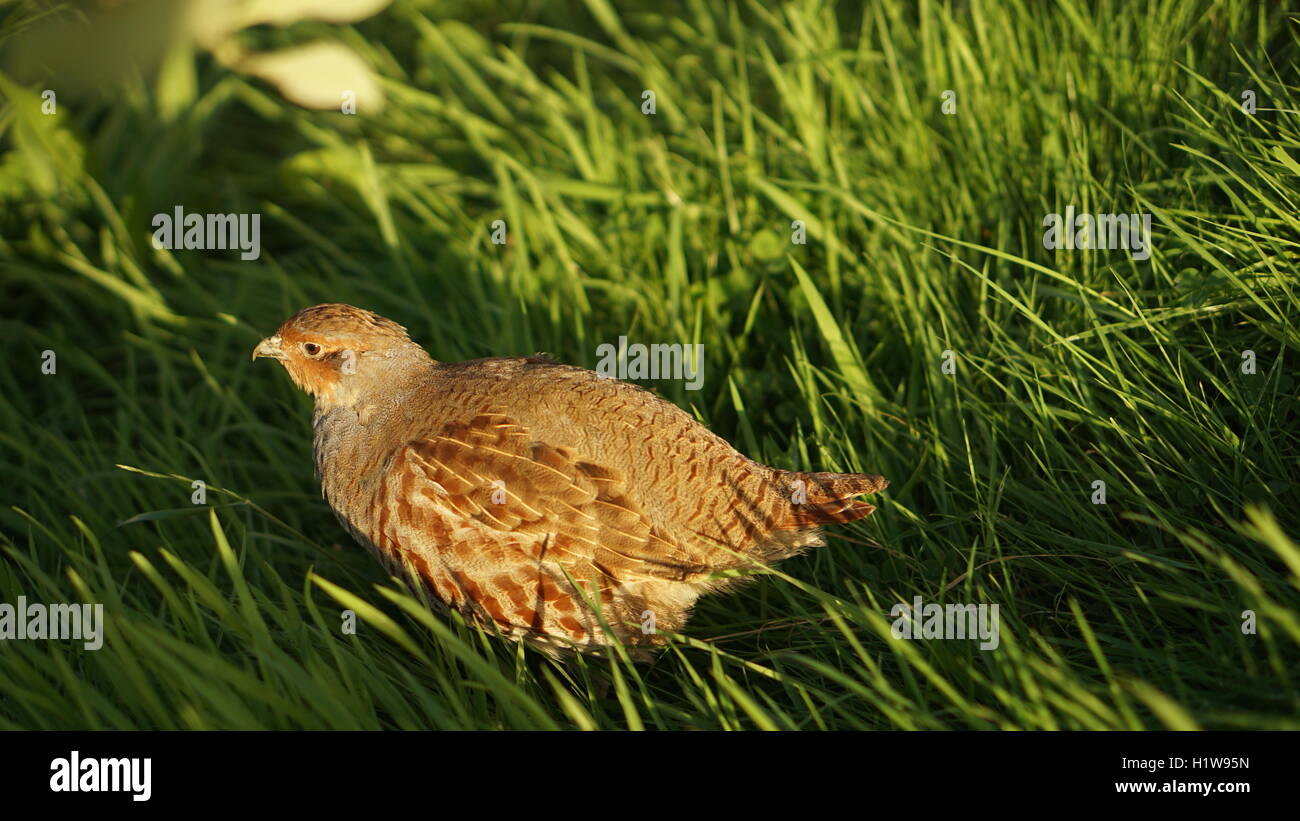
[691, 483]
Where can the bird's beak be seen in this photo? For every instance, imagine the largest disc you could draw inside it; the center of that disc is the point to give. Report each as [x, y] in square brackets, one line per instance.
[269, 347]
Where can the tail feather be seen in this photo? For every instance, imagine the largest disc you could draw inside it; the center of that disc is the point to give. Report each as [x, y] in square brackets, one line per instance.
[826, 498]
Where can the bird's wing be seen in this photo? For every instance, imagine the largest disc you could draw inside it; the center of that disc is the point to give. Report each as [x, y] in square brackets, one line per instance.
[489, 502]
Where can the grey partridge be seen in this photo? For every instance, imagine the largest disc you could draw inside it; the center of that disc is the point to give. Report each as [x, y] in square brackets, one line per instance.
[531, 495]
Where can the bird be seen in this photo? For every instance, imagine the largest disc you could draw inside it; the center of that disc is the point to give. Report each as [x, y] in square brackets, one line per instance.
[545, 502]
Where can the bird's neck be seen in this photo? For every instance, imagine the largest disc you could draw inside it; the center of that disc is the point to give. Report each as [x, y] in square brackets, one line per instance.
[375, 379]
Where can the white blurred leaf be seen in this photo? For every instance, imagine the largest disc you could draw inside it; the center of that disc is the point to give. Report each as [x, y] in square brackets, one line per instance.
[212, 21]
[284, 12]
[317, 75]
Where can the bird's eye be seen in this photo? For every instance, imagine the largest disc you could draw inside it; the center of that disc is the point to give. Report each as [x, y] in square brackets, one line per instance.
[311, 349]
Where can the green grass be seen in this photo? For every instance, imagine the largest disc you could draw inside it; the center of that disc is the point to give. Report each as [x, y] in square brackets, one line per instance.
[924, 236]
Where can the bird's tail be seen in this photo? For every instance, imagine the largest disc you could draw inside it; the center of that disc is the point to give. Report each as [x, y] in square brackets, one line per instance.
[826, 498]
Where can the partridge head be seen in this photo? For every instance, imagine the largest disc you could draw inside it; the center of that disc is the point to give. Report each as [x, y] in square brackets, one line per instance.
[528, 495]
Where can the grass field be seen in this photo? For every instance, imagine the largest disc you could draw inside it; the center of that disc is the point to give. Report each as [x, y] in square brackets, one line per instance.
[924, 236]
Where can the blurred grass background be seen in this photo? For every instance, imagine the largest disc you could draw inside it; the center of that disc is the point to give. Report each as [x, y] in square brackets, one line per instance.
[924, 235]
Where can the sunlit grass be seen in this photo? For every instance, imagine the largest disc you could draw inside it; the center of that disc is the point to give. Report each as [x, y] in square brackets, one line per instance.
[924, 236]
